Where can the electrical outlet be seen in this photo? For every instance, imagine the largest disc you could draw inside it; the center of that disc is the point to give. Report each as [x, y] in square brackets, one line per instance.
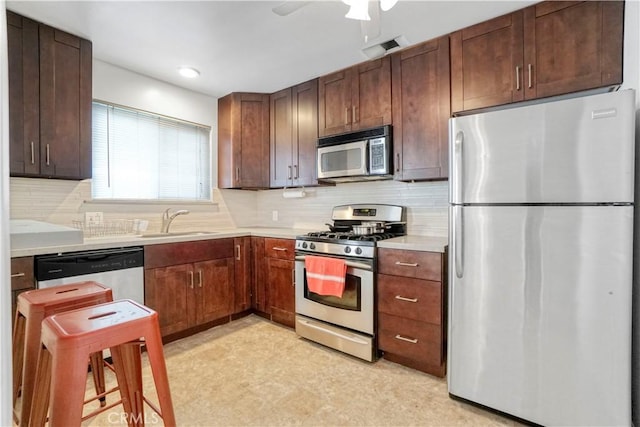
[274, 215]
[93, 218]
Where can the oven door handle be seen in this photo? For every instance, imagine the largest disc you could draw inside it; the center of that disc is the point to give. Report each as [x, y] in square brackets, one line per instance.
[327, 331]
[351, 264]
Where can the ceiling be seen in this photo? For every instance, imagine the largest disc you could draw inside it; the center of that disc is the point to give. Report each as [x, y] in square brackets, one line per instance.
[243, 45]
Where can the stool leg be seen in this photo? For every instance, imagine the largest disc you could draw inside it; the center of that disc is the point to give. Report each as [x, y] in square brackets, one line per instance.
[31, 350]
[97, 371]
[38, 413]
[68, 383]
[18, 354]
[128, 366]
[153, 342]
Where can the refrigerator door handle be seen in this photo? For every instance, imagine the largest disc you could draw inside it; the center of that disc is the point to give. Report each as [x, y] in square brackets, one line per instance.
[457, 231]
[457, 179]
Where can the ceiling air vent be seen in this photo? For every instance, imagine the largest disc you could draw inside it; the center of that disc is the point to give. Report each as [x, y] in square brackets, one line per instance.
[383, 48]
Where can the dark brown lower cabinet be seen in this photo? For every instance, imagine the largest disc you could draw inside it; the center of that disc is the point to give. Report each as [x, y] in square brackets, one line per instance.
[22, 279]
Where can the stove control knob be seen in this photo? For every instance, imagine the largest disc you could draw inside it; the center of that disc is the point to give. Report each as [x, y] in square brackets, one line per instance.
[347, 250]
[304, 245]
[358, 251]
[312, 246]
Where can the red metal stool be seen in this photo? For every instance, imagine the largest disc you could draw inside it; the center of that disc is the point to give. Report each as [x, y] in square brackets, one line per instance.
[33, 307]
[69, 338]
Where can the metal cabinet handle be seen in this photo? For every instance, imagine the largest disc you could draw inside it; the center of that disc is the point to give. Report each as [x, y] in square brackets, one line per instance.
[191, 279]
[346, 116]
[407, 264]
[289, 175]
[354, 116]
[48, 155]
[33, 154]
[17, 275]
[293, 277]
[276, 248]
[518, 77]
[237, 252]
[397, 162]
[295, 171]
[200, 281]
[530, 67]
[401, 298]
[410, 340]
[238, 174]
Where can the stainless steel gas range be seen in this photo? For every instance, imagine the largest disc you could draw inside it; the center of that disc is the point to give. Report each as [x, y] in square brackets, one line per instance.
[346, 322]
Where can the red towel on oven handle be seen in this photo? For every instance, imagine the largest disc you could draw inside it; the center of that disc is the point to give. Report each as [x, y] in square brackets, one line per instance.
[325, 276]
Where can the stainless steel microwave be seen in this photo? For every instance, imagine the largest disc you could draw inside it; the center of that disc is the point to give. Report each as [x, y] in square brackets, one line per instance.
[356, 156]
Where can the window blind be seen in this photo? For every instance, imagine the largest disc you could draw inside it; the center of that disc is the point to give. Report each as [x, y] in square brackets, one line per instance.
[139, 155]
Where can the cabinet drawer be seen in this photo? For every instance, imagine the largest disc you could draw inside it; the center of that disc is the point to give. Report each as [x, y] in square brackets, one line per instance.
[22, 273]
[411, 298]
[421, 265]
[279, 248]
[187, 252]
[409, 338]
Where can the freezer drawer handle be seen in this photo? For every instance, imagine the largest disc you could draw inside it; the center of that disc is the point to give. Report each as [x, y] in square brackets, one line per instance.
[457, 179]
[401, 298]
[276, 248]
[411, 340]
[17, 275]
[407, 264]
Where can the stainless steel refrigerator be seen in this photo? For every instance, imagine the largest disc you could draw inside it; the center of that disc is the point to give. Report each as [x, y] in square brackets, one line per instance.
[540, 273]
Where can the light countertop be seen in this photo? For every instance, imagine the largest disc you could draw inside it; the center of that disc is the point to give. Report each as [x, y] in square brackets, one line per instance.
[420, 243]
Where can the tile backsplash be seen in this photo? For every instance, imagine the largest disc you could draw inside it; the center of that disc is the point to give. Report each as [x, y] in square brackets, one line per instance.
[61, 201]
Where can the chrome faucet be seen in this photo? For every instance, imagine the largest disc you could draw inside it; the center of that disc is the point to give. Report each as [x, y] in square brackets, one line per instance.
[167, 218]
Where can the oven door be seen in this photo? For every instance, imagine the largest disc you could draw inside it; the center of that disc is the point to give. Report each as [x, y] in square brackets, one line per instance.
[354, 310]
[342, 160]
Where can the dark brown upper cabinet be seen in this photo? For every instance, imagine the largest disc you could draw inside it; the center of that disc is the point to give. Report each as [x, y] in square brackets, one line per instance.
[551, 48]
[243, 140]
[421, 110]
[355, 98]
[49, 101]
[293, 135]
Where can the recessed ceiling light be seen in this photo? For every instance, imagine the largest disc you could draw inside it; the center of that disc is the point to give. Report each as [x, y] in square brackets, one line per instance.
[188, 72]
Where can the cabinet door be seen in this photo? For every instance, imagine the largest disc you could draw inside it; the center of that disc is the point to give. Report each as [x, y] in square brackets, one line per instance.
[334, 105]
[572, 46]
[371, 94]
[65, 104]
[169, 291]
[260, 289]
[305, 133]
[243, 274]
[24, 95]
[281, 290]
[421, 111]
[486, 63]
[281, 140]
[214, 289]
[22, 279]
[243, 140]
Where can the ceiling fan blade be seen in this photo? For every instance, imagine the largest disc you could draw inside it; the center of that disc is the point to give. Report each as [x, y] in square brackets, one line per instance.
[371, 29]
[288, 7]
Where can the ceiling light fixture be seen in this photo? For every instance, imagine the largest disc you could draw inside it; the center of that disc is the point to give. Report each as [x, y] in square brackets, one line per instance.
[359, 9]
[188, 72]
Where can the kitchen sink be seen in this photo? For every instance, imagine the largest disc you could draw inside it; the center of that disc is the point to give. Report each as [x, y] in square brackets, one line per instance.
[177, 234]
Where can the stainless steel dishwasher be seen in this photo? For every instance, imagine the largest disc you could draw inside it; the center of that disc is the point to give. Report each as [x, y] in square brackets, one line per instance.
[120, 269]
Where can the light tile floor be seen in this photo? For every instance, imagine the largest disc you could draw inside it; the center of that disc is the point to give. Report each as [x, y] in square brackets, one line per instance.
[252, 372]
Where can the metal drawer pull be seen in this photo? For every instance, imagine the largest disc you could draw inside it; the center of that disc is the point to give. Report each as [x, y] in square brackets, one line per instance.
[18, 275]
[517, 78]
[407, 264]
[276, 248]
[401, 298]
[530, 66]
[33, 154]
[191, 279]
[47, 154]
[200, 283]
[411, 340]
[237, 252]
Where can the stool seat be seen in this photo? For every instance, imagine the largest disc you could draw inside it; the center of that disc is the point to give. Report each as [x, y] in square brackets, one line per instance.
[70, 337]
[32, 307]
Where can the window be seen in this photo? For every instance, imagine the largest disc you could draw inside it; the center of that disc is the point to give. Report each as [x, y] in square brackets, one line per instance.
[139, 155]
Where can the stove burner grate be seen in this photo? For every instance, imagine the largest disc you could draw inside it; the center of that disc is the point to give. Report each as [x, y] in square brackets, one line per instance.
[331, 235]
